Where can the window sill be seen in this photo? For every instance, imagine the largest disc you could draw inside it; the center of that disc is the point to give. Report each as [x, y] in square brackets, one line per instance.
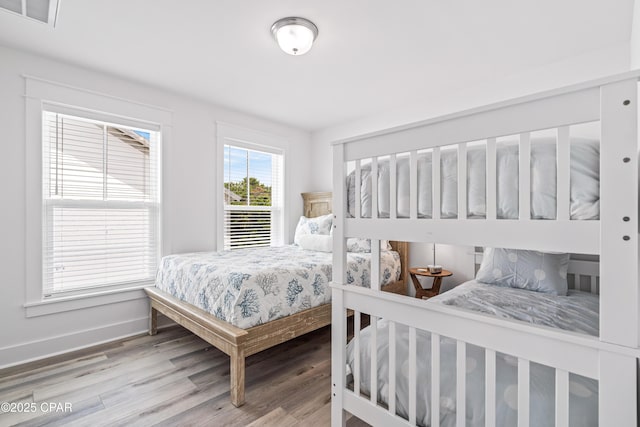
[77, 302]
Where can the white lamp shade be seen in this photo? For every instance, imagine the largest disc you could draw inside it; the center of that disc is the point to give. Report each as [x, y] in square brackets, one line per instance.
[295, 36]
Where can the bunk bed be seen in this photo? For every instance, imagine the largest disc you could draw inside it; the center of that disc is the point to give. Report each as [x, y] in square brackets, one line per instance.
[380, 182]
[183, 294]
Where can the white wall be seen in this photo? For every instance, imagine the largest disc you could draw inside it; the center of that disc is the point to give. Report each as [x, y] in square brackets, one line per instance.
[587, 66]
[189, 220]
[635, 37]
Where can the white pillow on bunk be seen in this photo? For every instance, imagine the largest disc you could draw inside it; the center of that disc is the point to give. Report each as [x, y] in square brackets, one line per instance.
[316, 242]
[318, 225]
[531, 270]
[355, 244]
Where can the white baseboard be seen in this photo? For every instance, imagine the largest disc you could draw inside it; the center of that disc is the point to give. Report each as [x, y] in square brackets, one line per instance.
[52, 346]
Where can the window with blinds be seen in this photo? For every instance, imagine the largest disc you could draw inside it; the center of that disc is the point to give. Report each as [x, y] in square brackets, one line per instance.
[252, 198]
[101, 204]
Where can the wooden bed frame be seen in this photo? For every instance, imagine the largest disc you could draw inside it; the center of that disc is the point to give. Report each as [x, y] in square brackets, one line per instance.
[240, 343]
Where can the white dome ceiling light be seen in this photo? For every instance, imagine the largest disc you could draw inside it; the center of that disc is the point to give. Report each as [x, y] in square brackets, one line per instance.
[294, 35]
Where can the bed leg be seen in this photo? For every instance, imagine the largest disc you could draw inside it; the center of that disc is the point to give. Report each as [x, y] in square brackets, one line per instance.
[153, 320]
[237, 376]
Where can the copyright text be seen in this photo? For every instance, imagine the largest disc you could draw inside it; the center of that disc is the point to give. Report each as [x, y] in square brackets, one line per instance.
[44, 407]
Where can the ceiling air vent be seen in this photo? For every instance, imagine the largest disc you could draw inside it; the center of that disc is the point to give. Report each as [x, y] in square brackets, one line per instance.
[45, 11]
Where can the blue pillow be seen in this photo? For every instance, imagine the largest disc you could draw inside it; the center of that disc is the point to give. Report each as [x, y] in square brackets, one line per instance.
[531, 270]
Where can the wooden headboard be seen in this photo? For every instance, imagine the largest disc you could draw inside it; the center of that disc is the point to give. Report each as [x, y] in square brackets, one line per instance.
[317, 204]
[320, 203]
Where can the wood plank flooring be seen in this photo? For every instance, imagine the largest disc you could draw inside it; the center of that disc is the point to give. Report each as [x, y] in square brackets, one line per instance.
[174, 378]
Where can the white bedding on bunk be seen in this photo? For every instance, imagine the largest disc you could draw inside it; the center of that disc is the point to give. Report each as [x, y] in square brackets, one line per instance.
[576, 312]
[584, 181]
[248, 287]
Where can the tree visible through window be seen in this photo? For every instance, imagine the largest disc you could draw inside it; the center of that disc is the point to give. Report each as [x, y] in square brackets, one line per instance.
[252, 193]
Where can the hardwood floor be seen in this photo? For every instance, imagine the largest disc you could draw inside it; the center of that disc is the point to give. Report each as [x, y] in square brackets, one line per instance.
[173, 378]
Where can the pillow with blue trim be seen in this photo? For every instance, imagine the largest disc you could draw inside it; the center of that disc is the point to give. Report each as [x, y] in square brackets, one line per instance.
[318, 225]
[531, 270]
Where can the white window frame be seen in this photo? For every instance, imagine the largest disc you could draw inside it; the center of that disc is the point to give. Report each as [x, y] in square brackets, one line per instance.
[41, 94]
[240, 137]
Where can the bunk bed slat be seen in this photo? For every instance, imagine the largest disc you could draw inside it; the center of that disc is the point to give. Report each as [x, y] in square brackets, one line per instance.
[412, 375]
[491, 179]
[356, 352]
[461, 386]
[523, 392]
[374, 360]
[413, 184]
[392, 368]
[490, 388]
[563, 161]
[524, 179]
[374, 188]
[562, 398]
[375, 264]
[435, 380]
[393, 188]
[462, 181]
[358, 188]
[435, 168]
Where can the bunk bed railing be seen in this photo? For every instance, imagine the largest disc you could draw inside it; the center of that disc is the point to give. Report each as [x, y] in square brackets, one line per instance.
[612, 358]
[567, 353]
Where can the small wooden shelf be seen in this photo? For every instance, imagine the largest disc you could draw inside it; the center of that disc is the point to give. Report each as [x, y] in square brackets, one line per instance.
[437, 281]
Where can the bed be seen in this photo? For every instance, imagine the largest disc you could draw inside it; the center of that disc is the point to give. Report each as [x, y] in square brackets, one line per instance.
[449, 180]
[576, 312]
[245, 301]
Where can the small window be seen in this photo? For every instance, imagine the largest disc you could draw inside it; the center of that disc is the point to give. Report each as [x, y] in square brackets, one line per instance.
[252, 198]
[101, 204]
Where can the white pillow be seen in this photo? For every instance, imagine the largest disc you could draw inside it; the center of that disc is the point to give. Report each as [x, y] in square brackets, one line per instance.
[531, 270]
[316, 242]
[318, 225]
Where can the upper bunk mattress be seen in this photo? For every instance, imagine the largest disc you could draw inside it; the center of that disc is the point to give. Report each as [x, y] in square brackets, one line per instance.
[248, 287]
[584, 182]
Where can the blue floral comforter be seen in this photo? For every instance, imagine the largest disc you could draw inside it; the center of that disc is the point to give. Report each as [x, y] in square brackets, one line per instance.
[248, 287]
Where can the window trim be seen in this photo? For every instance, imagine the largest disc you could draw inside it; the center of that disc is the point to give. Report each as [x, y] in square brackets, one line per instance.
[228, 134]
[40, 95]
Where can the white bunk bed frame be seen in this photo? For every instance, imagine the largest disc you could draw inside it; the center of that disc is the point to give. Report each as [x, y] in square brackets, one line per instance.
[610, 358]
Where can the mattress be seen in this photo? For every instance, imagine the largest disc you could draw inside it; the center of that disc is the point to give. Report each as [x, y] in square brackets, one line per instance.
[248, 287]
[584, 182]
[576, 312]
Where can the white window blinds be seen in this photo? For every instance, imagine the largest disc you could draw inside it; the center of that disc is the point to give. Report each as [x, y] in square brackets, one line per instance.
[253, 193]
[101, 204]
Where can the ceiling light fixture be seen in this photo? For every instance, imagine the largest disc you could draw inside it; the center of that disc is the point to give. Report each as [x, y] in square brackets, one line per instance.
[294, 35]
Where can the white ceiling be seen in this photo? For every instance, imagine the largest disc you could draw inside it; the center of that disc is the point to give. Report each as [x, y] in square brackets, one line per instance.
[370, 56]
